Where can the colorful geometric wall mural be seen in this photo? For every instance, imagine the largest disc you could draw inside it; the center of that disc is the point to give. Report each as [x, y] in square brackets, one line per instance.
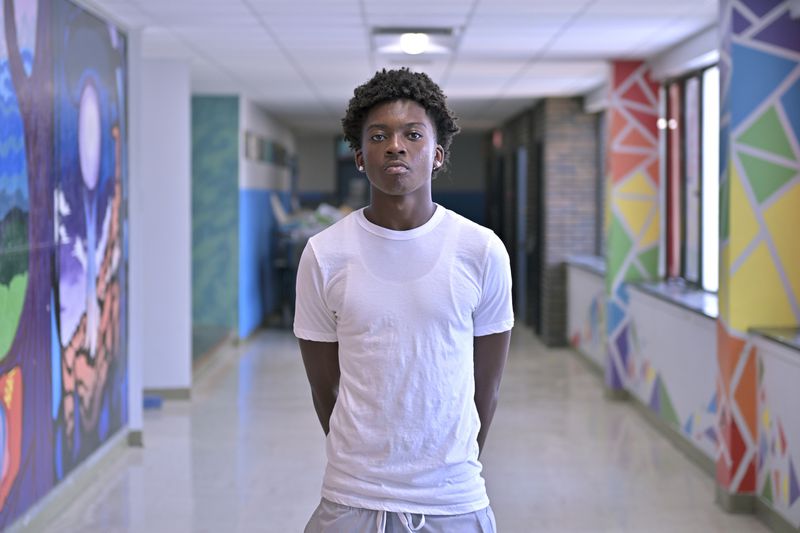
[658, 362]
[591, 335]
[63, 244]
[586, 313]
[760, 212]
[779, 431]
[633, 219]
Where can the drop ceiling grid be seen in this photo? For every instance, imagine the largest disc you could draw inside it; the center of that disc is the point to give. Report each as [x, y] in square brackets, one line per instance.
[548, 78]
[417, 13]
[476, 78]
[505, 54]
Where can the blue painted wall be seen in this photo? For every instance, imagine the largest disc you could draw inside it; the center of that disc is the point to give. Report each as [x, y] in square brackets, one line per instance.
[259, 286]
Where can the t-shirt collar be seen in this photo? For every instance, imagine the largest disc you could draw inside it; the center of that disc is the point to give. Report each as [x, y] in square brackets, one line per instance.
[386, 233]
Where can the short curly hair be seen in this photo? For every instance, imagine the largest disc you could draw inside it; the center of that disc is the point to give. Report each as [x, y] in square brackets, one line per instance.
[401, 84]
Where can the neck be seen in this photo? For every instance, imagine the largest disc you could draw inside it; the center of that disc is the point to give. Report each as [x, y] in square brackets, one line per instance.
[399, 213]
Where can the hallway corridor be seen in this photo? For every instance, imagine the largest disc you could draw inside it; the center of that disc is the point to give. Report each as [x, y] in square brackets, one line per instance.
[246, 454]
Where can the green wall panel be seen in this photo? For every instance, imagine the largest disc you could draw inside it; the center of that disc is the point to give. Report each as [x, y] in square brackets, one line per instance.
[215, 207]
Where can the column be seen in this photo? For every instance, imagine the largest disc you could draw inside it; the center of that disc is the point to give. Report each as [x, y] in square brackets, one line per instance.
[759, 245]
[632, 209]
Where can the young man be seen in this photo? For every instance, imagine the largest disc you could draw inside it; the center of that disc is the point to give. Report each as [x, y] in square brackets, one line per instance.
[404, 317]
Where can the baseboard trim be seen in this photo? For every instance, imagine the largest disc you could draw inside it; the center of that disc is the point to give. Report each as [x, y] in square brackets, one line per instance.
[201, 365]
[201, 361]
[46, 511]
[701, 460]
[170, 394]
[616, 395]
[669, 432]
[588, 362]
[772, 518]
[135, 438]
[735, 503]
[731, 503]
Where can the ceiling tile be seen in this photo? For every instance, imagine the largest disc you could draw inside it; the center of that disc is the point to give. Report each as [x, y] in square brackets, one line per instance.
[303, 58]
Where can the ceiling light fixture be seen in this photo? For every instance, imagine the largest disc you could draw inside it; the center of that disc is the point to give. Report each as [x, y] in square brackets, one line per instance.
[414, 43]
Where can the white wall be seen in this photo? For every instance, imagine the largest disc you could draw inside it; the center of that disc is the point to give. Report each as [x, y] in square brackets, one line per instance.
[586, 309]
[135, 196]
[672, 354]
[316, 160]
[678, 347]
[160, 218]
[779, 423]
[254, 175]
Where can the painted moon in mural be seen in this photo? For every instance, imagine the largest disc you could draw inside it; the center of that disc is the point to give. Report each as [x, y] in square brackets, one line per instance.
[89, 135]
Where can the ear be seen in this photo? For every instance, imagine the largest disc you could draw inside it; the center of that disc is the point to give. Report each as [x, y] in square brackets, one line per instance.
[438, 157]
[359, 158]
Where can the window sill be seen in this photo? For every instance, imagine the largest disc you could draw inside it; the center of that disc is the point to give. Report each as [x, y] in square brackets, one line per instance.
[591, 263]
[684, 296]
[789, 337]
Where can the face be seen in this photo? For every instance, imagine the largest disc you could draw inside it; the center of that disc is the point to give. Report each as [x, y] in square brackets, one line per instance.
[398, 148]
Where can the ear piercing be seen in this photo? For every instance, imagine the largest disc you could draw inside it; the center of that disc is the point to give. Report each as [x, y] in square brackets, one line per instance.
[361, 168]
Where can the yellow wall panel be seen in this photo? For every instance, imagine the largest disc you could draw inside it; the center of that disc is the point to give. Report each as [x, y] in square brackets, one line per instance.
[783, 221]
[634, 212]
[757, 296]
[743, 223]
[638, 184]
[652, 233]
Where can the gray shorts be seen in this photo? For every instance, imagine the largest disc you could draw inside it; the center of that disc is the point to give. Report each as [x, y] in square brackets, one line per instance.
[332, 517]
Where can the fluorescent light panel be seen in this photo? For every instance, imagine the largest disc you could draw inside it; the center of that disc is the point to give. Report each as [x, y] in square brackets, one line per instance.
[413, 41]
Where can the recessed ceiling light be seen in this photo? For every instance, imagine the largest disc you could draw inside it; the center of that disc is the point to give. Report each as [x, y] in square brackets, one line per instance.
[414, 43]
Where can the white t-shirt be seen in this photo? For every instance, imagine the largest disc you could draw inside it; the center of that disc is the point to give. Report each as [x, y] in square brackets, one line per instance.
[404, 307]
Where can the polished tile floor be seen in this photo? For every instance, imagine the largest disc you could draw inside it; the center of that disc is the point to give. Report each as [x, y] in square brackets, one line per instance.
[246, 454]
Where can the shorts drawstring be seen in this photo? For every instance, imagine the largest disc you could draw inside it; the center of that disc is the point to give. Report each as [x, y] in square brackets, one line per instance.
[408, 521]
[405, 518]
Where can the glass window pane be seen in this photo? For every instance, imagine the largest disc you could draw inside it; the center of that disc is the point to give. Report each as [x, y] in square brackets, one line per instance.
[691, 189]
[711, 179]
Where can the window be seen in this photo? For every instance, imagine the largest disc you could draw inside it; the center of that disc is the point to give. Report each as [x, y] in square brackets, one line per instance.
[710, 186]
[690, 146]
[691, 188]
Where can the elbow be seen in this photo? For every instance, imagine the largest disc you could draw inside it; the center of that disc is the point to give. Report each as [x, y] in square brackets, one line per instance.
[488, 397]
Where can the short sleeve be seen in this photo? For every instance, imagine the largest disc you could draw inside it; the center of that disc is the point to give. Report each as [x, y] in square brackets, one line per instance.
[495, 313]
[313, 320]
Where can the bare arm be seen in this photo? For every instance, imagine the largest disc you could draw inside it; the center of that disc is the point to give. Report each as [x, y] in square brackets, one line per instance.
[490, 354]
[321, 360]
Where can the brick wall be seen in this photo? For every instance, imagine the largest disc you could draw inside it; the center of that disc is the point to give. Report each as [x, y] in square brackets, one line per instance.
[564, 137]
[569, 186]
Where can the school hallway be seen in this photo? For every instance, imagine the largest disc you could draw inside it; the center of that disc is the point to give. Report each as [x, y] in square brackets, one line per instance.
[246, 454]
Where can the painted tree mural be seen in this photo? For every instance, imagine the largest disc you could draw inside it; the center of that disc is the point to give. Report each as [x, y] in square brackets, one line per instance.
[63, 380]
[26, 365]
